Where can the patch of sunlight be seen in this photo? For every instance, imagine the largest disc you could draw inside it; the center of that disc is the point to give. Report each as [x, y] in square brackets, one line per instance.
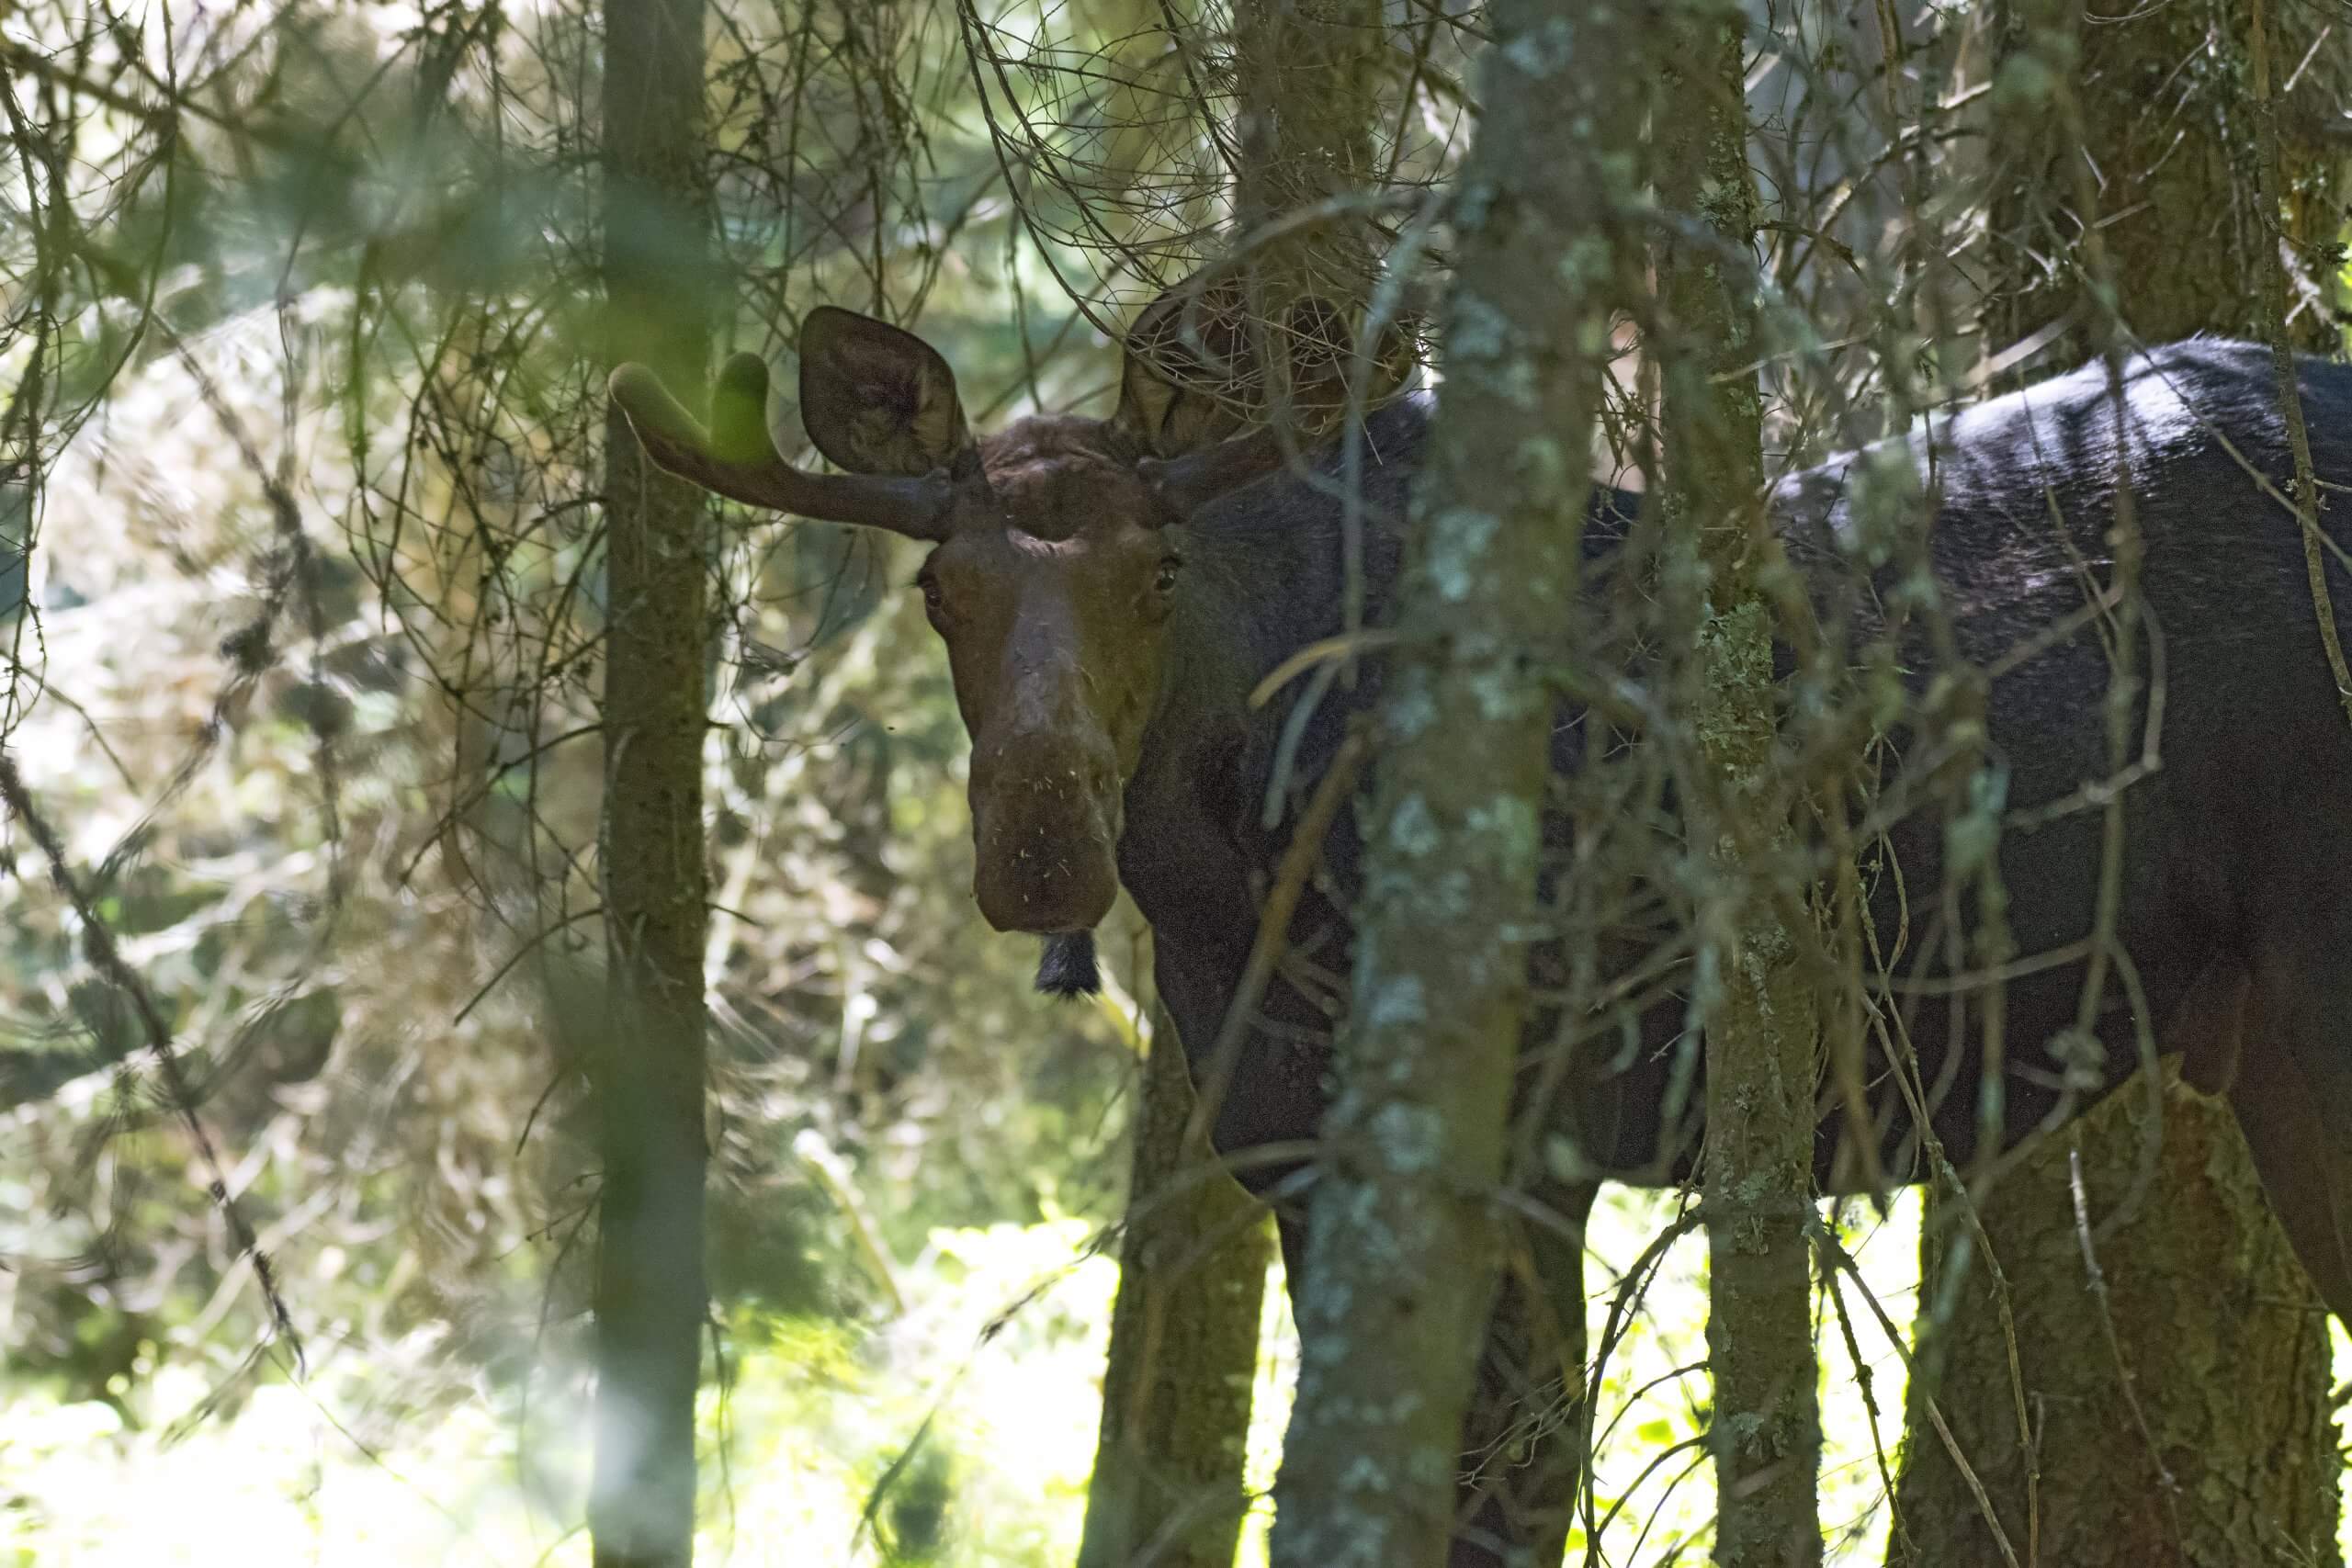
[996, 1363]
[277, 1482]
[2339, 1346]
[1269, 1413]
[1654, 1488]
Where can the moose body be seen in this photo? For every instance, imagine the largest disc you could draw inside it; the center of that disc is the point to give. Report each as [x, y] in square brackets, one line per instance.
[1111, 592]
[2236, 892]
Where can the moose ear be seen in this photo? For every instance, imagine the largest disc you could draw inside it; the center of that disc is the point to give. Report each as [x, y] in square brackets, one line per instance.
[1192, 376]
[1188, 380]
[1321, 343]
[877, 399]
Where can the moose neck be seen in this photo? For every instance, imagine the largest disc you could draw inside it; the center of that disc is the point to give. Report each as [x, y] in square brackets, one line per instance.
[1265, 578]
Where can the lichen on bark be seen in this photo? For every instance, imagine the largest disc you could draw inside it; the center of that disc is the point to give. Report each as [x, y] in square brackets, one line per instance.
[1761, 1028]
[1402, 1261]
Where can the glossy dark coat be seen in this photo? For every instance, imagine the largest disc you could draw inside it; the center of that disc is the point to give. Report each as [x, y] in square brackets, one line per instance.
[2237, 893]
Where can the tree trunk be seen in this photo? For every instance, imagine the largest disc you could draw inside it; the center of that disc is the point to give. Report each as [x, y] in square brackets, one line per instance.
[1307, 74]
[1183, 1358]
[2169, 1398]
[2167, 124]
[1308, 85]
[650, 1300]
[1761, 1030]
[1401, 1256]
[2199, 1434]
[1304, 88]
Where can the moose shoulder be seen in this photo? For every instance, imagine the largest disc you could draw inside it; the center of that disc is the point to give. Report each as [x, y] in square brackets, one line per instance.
[1112, 591]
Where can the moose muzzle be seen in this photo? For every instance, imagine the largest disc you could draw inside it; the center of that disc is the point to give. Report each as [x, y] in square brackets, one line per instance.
[1045, 831]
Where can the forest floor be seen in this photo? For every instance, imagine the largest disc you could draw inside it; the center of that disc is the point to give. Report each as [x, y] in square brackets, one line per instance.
[996, 1361]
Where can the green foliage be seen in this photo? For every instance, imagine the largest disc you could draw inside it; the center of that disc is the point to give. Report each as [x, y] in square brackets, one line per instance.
[816, 1413]
[301, 398]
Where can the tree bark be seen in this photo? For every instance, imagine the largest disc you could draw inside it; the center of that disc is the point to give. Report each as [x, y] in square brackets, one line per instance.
[1761, 1028]
[2167, 1400]
[2198, 1434]
[1183, 1360]
[1401, 1260]
[2167, 124]
[1305, 79]
[1306, 73]
[650, 1299]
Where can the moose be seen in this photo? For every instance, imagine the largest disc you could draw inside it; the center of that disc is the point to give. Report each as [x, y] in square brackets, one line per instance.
[1111, 592]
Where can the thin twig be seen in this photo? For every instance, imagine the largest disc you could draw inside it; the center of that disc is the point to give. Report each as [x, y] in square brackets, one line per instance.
[107, 960]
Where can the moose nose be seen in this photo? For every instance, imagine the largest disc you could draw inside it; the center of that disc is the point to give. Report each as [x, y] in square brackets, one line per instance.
[1045, 774]
[1046, 825]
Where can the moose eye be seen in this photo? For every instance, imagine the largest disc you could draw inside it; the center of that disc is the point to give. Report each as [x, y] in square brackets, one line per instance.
[1169, 567]
[933, 602]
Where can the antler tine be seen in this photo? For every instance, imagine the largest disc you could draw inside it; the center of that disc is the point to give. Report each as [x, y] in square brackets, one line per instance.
[737, 456]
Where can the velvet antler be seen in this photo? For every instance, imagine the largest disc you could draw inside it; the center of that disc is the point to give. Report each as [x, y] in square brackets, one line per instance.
[737, 456]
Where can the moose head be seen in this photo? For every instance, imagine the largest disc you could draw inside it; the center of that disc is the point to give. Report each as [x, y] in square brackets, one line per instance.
[1058, 546]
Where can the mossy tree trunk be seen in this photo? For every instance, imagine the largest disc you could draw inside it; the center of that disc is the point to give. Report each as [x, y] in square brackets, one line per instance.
[2168, 1402]
[1761, 1030]
[1306, 73]
[1306, 91]
[1183, 1358]
[1402, 1254]
[1309, 79]
[2175, 1406]
[647, 1065]
[2167, 121]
